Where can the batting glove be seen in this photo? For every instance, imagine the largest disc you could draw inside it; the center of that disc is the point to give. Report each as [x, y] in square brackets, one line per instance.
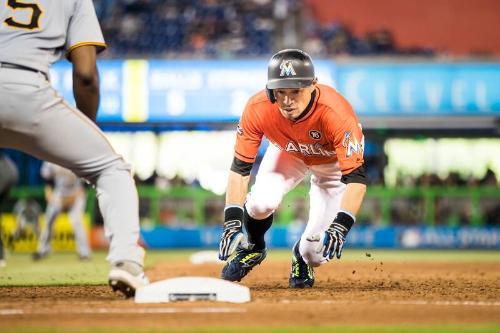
[232, 234]
[334, 237]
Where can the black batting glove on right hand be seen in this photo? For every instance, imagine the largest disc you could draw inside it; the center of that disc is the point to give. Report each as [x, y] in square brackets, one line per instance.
[334, 237]
[232, 234]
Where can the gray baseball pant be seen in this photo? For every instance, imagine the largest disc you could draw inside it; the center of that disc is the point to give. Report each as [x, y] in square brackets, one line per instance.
[35, 119]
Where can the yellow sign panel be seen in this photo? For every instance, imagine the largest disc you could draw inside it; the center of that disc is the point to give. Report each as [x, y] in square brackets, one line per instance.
[135, 92]
[25, 239]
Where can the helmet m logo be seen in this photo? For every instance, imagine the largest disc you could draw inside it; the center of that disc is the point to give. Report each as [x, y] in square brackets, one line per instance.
[287, 68]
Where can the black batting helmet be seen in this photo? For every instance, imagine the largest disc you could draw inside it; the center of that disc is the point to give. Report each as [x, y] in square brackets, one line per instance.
[290, 68]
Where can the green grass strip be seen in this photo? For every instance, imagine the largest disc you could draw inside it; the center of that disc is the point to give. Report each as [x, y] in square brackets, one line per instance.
[66, 269]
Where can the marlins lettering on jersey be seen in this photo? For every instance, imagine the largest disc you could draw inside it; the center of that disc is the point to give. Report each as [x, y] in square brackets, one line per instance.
[308, 149]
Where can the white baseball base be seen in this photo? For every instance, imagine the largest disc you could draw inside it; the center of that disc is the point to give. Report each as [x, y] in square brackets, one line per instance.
[192, 289]
[206, 257]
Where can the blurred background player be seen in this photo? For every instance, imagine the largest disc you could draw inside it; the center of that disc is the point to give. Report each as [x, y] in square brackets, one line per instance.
[27, 212]
[36, 120]
[311, 128]
[64, 192]
[8, 178]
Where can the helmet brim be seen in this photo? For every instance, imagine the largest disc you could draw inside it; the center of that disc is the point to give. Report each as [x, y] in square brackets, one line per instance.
[289, 83]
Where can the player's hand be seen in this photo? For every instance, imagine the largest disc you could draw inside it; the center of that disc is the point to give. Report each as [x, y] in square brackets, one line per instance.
[334, 236]
[333, 241]
[232, 236]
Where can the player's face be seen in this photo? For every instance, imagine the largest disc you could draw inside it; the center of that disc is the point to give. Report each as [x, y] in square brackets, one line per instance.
[292, 102]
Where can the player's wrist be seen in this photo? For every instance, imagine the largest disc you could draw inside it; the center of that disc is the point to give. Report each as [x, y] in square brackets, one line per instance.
[232, 213]
[343, 222]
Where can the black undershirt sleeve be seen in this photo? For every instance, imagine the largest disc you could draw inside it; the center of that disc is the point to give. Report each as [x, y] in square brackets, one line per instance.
[355, 176]
[241, 167]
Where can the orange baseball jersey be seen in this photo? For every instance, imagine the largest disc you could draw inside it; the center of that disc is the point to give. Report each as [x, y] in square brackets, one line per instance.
[328, 133]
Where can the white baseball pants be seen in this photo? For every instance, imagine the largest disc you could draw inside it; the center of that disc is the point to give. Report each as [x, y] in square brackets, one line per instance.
[279, 173]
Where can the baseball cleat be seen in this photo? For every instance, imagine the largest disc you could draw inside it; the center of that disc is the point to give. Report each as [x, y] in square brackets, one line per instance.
[242, 263]
[37, 256]
[84, 257]
[302, 275]
[126, 277]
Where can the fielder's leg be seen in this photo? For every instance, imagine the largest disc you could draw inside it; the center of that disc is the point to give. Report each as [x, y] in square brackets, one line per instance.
[35, 119]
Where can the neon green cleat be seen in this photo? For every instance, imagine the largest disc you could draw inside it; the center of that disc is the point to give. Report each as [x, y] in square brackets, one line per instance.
[302, 275]
[242, 263]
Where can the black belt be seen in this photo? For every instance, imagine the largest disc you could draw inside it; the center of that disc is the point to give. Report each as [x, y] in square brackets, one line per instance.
[24, 68]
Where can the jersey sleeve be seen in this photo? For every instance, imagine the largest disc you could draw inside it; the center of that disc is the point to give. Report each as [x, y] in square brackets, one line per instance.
[349, 144]
[249, 136]
[84, 28]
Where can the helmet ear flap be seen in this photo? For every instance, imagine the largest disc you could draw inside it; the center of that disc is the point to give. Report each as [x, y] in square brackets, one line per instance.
[270, 95]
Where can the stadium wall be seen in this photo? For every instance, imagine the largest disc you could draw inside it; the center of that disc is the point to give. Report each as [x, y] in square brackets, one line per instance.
[458, 27]
[141, 91]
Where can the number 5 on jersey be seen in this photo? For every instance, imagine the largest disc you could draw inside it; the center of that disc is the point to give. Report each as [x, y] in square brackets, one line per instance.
[34, 20]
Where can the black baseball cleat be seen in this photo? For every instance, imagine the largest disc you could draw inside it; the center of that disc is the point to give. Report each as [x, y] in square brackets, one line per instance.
[84, 257]
[126, 277]
[302, 275]
[37, 256]
[242, 263]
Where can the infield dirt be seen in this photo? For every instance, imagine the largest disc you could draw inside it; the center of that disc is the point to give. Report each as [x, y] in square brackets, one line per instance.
[346, 293]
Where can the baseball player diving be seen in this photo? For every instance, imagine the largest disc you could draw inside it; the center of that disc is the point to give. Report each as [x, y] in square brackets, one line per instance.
[35, 119]
[65, 194]
[311, 128]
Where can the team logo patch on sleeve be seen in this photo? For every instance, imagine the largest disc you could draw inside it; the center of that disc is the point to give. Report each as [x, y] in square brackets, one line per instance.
[351, 144]
[314, 134]
[239, 130]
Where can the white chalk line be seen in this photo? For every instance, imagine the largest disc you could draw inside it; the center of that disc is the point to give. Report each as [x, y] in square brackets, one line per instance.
[13, 312]
[466, 303]
[208, 310]
[414, 302]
